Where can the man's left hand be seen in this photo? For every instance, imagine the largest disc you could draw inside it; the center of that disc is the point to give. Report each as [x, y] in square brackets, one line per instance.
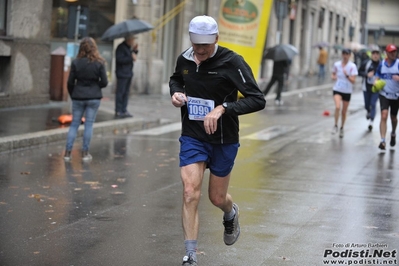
[211, 119]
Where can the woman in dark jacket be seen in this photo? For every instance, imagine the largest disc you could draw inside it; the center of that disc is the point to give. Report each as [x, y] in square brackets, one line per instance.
[86, 79]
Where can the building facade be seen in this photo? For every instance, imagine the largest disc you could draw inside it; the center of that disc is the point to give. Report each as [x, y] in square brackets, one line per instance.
[380, 22]
[24, 52]
[31, 30]
[308, 22]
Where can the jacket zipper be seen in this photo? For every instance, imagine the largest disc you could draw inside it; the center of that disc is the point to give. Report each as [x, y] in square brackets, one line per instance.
[221, 129]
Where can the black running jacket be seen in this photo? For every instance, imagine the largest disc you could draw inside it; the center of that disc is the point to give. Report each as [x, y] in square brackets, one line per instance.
[219, 78]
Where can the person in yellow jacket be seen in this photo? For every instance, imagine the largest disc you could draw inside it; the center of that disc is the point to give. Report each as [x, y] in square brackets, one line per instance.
[322, 61]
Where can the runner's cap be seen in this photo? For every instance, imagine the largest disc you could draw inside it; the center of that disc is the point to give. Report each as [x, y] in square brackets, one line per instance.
[203, 30]
[391, 48]
[346, 51]
[374, 48]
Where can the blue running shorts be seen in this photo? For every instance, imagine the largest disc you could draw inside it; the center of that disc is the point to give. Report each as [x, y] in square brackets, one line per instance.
[218, 157]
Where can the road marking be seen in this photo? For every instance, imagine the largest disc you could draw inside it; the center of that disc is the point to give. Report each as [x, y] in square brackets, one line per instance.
[270, 133]
[156, 131]
[319, 138]
[301, 91]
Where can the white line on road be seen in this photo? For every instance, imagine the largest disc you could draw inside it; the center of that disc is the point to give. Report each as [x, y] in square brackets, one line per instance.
[156, 131]
[270, 133]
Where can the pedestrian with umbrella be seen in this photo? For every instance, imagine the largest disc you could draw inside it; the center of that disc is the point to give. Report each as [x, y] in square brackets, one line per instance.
[322, 61]
[282, 56]
[125, 56]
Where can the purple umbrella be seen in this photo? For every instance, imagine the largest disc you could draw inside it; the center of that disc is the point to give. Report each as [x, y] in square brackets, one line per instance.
[321, 44]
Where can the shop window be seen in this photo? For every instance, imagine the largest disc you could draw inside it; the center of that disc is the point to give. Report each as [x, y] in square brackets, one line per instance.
[95, 18]
[3, 17]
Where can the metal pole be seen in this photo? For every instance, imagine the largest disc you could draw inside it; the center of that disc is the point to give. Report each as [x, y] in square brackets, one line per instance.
[366, 27]
[77, 24]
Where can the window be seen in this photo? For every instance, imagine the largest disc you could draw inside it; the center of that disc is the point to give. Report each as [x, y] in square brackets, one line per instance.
[95, 17]
[3, 17]
[321, 18]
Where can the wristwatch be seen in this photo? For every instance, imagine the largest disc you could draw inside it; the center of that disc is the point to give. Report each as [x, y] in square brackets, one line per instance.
[224, 105]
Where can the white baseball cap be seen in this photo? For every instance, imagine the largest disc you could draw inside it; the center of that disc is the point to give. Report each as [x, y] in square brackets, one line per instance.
[203, 30]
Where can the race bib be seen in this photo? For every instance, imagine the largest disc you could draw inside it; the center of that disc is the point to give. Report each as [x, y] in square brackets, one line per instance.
[198, 108]
[391, 96]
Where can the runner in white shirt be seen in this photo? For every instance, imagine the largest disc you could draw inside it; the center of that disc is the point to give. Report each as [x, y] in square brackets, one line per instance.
[344, 73]
[388, 70]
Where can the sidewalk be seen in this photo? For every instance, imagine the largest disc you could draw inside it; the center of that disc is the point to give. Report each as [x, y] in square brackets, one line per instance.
[23, 127]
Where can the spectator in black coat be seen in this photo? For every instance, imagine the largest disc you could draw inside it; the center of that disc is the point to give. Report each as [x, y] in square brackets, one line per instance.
[125, 56]
[85, 81]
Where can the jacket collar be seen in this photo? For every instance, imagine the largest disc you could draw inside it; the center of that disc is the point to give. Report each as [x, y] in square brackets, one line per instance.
[189, 53]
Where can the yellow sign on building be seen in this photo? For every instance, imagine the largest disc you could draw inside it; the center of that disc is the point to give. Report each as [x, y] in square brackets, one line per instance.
[243, 26]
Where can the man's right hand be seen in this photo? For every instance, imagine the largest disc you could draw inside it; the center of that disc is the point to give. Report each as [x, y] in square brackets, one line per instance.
[179, 99]
[370, 74]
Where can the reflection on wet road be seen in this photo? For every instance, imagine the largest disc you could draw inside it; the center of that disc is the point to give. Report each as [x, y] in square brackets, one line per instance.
[302, 192]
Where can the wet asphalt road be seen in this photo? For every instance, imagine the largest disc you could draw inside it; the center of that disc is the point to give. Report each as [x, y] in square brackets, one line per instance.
[303, 194]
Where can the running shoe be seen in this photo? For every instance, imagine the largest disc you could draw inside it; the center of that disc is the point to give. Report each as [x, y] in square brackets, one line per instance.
[341, 132]
[382, 145]
[278, 102]
[393, 140]
[188, 260]
[232, 228]
[370, 127]
[334, 130]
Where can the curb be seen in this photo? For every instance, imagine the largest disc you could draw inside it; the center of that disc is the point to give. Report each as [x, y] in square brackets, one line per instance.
[48, 136]
[27, 140]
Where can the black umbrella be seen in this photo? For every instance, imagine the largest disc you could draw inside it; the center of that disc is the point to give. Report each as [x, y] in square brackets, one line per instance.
[281, 52]
[125, 28]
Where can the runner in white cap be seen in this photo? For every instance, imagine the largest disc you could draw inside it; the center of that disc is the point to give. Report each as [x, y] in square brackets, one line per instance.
[205, 86]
